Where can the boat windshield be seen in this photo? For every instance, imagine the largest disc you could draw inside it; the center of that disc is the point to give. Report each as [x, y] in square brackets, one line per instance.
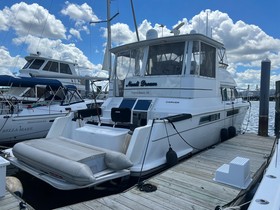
[165, 59]
[71, 97]
[203, 59]
[27, 64]
[37, 63]
[129, 63]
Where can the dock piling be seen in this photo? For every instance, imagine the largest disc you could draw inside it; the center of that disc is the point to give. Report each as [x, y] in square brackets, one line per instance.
[264, 98]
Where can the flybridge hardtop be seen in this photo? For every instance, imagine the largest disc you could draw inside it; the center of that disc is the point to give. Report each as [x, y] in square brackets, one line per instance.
[153, 40]
[169, 97]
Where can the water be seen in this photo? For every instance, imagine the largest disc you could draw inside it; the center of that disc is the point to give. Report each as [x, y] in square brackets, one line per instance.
[42, 196]
[251, 121]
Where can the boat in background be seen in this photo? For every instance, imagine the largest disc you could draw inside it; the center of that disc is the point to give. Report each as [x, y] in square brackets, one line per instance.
[30, 105]
[66, 72]
[169, 98]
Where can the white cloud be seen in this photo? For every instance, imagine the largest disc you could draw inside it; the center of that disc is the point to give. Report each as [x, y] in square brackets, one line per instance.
[32, 19]
[4, 21]
[55, 49]
[75, 33]
[9, 64]
[81, 14]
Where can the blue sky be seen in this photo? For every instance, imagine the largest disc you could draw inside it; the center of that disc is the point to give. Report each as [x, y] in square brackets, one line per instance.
[61, 29]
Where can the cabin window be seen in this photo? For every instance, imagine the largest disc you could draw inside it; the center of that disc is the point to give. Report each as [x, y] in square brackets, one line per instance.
[165, 59]
[207, 60]
[209, 118]
[65, 69]
[51, 66]
[229, 94]
[203, 60]
[37, 63]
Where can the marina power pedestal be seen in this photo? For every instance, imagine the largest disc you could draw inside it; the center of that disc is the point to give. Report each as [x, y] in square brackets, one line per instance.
[3, 164]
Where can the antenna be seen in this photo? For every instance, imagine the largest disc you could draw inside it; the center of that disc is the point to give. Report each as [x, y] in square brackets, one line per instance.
[176, 30]
[134, 19]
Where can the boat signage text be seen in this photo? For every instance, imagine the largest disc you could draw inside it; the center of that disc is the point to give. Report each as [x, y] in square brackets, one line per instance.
[20, 129]
[142, 83]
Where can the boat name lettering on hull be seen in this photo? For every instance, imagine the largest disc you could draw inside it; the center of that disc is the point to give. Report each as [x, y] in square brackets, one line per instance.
[20, 129]
[143, 83]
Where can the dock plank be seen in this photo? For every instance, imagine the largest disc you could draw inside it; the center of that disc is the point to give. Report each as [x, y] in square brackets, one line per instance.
[190, 184]
[11, 202]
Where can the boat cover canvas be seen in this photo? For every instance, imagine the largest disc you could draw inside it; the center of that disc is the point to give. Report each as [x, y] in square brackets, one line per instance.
[7, 80]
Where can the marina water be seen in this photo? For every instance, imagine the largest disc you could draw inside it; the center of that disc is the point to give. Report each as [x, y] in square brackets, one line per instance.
[251, 121]
[42, 196]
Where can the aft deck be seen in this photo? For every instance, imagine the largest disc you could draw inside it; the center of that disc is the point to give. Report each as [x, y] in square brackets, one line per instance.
[190, 184]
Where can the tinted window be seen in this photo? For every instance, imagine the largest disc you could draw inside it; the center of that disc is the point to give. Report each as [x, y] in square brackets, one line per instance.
[64, 68]
[37, 64]
[142, 104]
[51, 66]
[127, 103]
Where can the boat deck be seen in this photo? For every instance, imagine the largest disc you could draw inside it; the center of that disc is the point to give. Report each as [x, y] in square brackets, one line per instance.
[12, 202]
[190, 184]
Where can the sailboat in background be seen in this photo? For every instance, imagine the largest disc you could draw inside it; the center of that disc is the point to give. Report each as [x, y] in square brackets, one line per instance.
[30, 105]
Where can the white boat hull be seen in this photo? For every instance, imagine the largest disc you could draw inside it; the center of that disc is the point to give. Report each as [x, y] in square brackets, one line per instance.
[18, 128]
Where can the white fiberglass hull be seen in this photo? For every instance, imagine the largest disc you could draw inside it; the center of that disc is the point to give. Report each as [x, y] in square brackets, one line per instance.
[17, 128]
[31, 123]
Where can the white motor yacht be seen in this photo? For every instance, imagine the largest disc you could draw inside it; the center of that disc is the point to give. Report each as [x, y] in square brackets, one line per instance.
[169, 98]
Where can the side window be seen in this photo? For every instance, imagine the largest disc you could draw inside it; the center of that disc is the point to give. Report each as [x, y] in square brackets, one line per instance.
[51, 66]
[37, 63]
[207, 60]
[64, 68]
[228, 94]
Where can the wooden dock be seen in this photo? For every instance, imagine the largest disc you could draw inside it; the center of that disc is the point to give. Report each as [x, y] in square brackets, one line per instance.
[12, 202]
[190, 184]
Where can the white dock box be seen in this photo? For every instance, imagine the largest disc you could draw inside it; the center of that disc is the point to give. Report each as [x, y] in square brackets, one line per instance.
[3, 164]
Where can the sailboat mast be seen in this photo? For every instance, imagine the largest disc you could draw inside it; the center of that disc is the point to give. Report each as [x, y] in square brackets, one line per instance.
[108, 48]
[134, 19]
